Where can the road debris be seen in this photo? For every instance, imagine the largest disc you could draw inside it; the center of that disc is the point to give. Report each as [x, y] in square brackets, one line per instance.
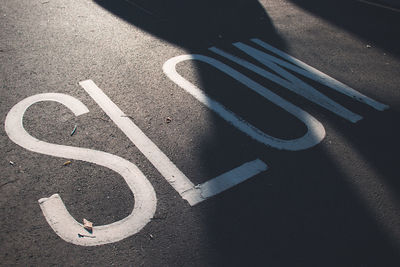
[68, 162]
[127, 116]
[88, 225]
[151, 236]
[168, 120]
[9, 182]
[368, 46]
[83, 235]
[74, 130]
[12, 163]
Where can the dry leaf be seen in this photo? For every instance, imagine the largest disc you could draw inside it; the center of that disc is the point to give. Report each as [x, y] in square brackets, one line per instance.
[88, 225]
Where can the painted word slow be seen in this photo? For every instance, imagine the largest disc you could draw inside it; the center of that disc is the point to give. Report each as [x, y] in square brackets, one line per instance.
[56, 213]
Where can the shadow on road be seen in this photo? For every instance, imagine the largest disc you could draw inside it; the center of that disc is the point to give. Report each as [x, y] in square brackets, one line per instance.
[375, 25]
[196, 24]
[303, 211]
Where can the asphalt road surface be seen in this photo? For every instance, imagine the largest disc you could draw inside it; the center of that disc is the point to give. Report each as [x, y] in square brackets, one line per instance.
[199, 133]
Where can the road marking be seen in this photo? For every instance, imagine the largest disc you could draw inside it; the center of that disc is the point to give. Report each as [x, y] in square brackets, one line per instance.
[70, 230]
[53, 207]
[315, 75]
[161, 162]
[293, 83]
[315, 130]
[224, 181]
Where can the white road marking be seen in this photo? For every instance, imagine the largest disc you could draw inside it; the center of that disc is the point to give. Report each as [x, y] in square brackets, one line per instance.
[53, 208]
[224, 181]
[315, 130]
[309, 72]
[292, 83]
[71, 231]
[161, 162]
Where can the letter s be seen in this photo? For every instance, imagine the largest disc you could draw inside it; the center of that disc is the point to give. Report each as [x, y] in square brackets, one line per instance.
[53, 207]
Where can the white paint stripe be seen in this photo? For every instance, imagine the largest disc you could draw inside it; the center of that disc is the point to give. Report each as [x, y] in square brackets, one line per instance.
[295, 85]
[316, 75]
[53, 208]
[225, 181]
[161, 162]
[315, 132]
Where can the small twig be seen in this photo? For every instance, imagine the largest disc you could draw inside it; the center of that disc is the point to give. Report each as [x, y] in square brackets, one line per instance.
[9, 182]
[127, 116]
[74, 130]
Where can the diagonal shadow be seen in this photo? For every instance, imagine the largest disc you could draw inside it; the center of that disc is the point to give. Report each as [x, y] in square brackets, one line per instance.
[377, 26]
[196, 24]
[290, 215]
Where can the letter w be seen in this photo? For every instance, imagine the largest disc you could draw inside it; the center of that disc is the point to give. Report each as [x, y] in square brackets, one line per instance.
[296, 85]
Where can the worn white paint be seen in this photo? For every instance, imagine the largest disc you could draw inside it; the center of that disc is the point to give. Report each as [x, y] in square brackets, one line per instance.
[315, 130]
[53, 208]
[161, 162]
